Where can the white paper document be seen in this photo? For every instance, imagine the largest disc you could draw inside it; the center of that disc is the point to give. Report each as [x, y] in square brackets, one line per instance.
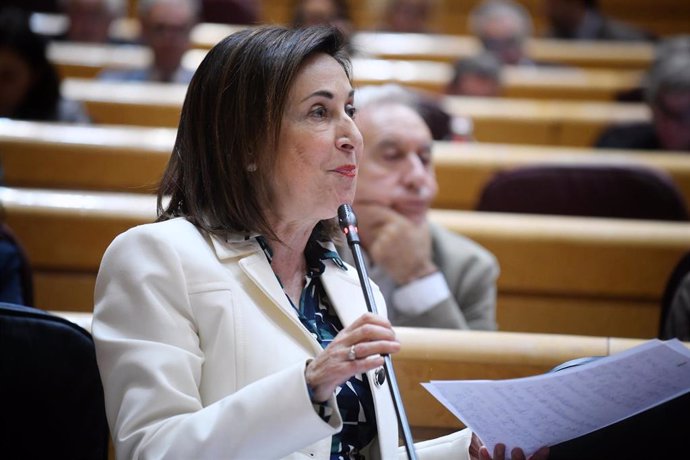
[550, 408]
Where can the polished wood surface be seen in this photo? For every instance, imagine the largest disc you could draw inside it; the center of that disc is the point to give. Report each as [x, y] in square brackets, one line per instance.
[558, 274]
[133, 158]
[439, 354]
[462, 169]
[521, 121]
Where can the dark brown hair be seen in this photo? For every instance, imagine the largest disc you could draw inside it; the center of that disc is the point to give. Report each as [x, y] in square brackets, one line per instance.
[221, 168]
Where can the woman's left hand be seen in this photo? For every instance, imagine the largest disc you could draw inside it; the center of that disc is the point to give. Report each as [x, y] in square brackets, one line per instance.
[479, 451]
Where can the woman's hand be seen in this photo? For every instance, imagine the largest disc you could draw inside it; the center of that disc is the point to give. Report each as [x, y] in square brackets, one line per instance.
[479, 451]
[356, 349]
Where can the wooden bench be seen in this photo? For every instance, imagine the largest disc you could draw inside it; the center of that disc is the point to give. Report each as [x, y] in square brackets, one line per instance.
[448, 48]
[665, 17]
[521, 121]
[132, 159]
[83, 157]
[518, 82]
[558, 274]
[80, 60]
[542, 122]
[462, 169]
[467, 355]
[86, 60]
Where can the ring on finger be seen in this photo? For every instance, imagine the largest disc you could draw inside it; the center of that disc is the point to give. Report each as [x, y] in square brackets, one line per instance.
[352, 353]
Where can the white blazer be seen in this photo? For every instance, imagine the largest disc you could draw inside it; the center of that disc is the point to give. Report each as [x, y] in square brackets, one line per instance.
[202, 356]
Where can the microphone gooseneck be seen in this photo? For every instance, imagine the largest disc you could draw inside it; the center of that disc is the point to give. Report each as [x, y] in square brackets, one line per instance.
[348, 225]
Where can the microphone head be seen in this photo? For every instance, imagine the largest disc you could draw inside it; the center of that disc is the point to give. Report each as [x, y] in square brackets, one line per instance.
[346, 216]
[348, 223]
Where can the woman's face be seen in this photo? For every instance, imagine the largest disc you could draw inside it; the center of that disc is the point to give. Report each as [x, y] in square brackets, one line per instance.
[15, 80]
[319, 145]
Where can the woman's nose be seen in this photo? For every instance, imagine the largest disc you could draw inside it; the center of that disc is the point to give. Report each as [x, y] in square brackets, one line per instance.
[349, 137]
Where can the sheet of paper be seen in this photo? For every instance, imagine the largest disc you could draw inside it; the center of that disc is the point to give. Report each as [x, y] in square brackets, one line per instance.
[554, 407]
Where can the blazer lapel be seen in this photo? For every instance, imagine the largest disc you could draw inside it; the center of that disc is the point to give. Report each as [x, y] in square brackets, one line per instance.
[344, 293]
[253, 263]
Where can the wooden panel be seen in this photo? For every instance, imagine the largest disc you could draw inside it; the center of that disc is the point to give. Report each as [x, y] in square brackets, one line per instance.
[577, 315]
[53, 155]
[132, 159]
[64, 291]
[562, 268]
[462, 169]
[541, 122]
[586, 256]
[495, 120]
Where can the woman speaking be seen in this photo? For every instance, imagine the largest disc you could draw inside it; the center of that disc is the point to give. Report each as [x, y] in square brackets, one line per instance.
[231, 328]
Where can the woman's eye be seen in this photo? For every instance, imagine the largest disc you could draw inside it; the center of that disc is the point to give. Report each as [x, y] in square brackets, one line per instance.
[351, 110]
[319, 112]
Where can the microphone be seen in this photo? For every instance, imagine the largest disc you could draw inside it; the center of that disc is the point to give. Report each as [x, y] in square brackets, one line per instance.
[348, 225]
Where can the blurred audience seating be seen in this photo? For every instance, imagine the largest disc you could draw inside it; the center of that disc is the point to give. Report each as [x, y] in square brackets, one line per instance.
[558, 274]
[610, 191]
[79, 60]
[132, 159]
[463, 169]
[522, 121]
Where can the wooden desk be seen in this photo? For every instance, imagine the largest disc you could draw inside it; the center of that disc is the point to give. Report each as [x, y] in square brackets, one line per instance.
[520, 121]
[466, 355]
[442, 354]
[128, 103]
[132, 159]
[448, 48]
[84, 157]
[553, 269]
[542, 122]
[519, 82]
[462, 169]
[558, 274]
[86, 60]
[80, 60]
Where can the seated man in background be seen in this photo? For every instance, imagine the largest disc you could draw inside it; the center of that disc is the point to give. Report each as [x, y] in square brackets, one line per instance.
[89, 20]
[407, 16]
[476, 76]
[582, 20]
[165, 28]
[668, 95]
[335, 13]
[502, 26]
[429, 276]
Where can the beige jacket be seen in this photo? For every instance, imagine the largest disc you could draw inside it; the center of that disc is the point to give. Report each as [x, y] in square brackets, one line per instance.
[202, 356]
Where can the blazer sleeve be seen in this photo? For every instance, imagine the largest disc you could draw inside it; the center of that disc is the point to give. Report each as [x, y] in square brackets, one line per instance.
[151, 364]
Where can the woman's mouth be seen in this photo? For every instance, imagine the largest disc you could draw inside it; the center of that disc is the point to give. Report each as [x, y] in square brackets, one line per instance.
[347, 170]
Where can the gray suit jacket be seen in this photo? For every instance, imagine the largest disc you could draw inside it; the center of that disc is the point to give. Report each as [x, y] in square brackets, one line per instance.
[470, 271]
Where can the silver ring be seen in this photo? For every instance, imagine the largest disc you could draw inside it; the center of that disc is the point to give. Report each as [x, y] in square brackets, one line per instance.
[351, 354]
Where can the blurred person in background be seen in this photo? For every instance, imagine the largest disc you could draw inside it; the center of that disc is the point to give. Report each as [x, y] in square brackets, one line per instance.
[582, 20]
[502, 27]
[336, 13]
[29, 83]
[165, 28]
[90, 20]
[478, 75]
[408, 16]
[668, 95]
[231, 11]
